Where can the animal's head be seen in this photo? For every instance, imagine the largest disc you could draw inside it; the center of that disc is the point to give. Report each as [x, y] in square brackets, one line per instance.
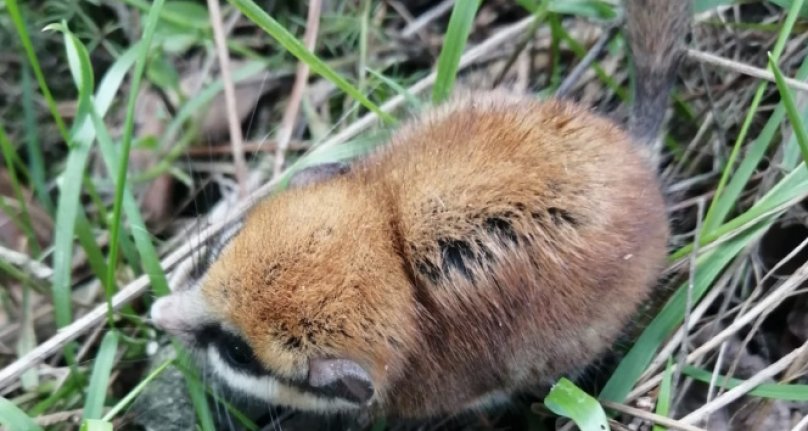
[305, 303]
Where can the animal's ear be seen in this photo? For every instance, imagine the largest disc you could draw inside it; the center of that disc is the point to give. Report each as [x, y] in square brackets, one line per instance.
[340, 378]
[317, 173]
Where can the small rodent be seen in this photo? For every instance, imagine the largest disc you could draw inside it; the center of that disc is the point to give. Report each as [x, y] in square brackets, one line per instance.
[495, 244]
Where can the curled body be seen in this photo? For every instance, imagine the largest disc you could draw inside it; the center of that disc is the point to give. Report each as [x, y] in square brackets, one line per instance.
[494, 244]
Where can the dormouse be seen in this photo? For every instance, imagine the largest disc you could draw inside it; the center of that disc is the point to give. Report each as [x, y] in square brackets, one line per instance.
[495, 243]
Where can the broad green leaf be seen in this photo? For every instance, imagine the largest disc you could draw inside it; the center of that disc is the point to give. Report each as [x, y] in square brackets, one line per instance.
[566, 399]
[12, 418]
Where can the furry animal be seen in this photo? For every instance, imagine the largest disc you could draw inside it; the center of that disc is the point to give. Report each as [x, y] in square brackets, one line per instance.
[494, 244]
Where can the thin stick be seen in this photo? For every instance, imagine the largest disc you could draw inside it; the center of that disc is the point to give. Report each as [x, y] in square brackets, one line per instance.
[586, 62]
[775, 297]
[58, 417]
[301, 78]
[691, 285]
[749, 384]
[425, 18]
[802, 425]
[506, 35]
[229, 96]
[653, 417]
[254, 146]
[31, 267]
[137, 287]
[742, 68]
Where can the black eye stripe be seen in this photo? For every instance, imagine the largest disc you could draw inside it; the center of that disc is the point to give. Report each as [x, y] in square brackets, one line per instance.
[233, 349]
[239, 356]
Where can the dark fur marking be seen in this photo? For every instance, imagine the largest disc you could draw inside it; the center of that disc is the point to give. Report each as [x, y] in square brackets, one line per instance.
[456, 254]
[502, 228]
[562, 216]
[293, 342]
[428, 270]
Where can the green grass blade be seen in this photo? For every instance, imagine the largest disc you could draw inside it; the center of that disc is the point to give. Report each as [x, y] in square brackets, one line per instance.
[791, 108]
[754, 154]
[792, 188]
[123, 162]
[566, 399]
[753, 223]
[89, 242]
[346, 151]
[778, 391]
[189, 109]
[25, 39]
[296, 48]
[143, 241]
[663, 406]
[412, 101]
[454, 42]
[126, 400]
[671, 316]
[36, 161]
[721, 204]
[70, 186]
[102, 367]
[8, 151]
[12, 418]
[597, 9]
[113, 78]
[196, 391]
[605, 77]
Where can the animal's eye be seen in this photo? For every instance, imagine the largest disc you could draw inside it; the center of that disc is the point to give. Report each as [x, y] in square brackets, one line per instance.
[237, 352]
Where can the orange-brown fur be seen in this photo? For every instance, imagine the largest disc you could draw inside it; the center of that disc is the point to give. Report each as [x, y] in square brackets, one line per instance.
[361, 266]
[493, 245]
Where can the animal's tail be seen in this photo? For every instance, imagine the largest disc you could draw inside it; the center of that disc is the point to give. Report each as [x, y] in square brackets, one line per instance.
[656, 30]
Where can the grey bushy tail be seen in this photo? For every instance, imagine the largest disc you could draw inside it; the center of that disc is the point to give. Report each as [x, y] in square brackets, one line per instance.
[657, 30]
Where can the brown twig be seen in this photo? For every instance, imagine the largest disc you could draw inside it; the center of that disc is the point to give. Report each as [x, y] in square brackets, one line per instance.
[256, 146]
[586, 62]
[229, 96]
[652, 417]
[772, 300]
[749, 384]
[301, 78]
[742, 68]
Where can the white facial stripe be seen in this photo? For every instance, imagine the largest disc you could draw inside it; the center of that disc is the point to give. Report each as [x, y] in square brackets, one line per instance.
[271, 390]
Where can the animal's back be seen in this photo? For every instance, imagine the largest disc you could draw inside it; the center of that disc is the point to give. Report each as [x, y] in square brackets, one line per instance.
[530, 231]
[497, 243]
